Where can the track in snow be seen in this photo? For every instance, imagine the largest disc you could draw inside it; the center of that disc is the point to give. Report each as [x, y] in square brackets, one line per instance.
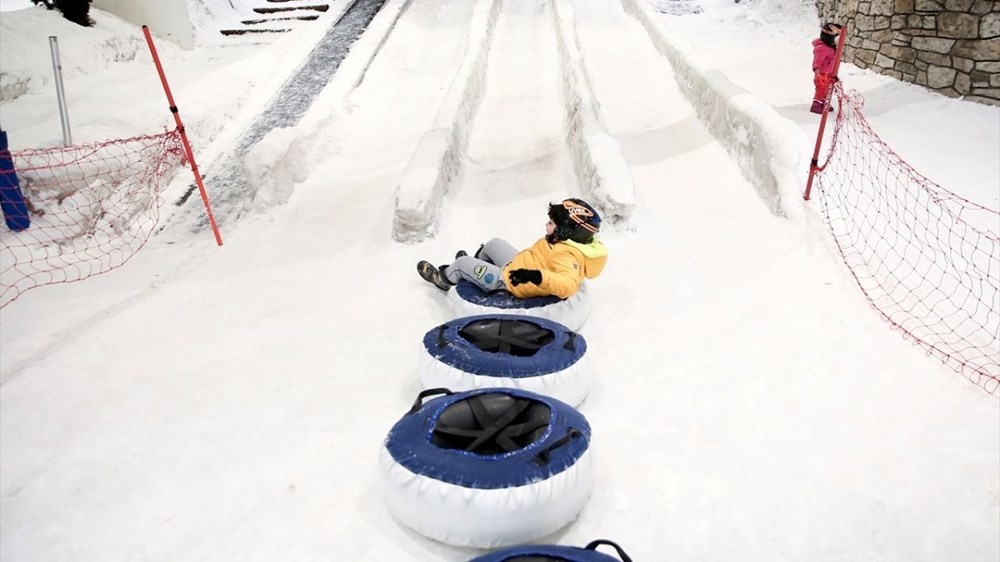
[517, 148]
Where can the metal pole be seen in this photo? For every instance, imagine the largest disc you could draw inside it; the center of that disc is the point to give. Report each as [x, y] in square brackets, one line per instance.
[184, 138]
[57, 69]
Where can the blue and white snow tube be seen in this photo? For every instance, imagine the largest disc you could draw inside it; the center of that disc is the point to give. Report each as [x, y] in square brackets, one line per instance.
[539, 552]
[469, 300]
[507, 350]
[487, 468]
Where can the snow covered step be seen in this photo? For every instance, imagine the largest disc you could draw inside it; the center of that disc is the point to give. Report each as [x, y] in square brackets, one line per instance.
[230, 32]
[289, 18]
[280, 9]
[286, 18]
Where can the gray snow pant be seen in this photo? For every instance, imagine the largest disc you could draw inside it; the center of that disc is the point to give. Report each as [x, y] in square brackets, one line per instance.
[486, 269]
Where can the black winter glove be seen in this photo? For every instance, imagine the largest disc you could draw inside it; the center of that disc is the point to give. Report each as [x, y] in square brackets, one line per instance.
[519, 276]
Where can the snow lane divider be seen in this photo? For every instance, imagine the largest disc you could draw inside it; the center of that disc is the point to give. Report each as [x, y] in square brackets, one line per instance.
[601, 169]
[765, 145]
[438, 157]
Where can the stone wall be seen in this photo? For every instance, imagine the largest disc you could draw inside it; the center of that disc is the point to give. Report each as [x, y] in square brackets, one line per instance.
[949, 46]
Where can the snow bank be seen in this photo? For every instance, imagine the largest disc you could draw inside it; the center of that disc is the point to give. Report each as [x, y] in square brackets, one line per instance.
[169, 20]
[25, 56]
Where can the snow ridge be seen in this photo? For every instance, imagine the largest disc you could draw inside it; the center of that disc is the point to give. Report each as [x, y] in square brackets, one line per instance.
[767, 147]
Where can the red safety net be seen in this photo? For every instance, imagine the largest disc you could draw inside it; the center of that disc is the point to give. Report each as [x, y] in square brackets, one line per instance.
[92, 207]
[927, 259]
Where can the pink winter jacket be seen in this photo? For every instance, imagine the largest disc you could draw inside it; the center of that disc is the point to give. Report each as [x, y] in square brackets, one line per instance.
[823, 57]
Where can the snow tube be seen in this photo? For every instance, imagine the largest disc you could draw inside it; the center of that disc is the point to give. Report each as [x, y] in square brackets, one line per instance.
[545, 553]
[487, 468]
[469, 300]
[506, 350]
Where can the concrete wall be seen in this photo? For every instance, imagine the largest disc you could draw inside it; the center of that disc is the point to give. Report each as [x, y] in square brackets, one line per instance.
[168, 19]
[949, 46]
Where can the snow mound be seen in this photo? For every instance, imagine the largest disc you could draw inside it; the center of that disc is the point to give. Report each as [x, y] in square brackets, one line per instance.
[25, 55]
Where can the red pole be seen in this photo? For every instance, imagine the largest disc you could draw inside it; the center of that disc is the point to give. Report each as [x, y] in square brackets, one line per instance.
[814, 163]
[184, 139]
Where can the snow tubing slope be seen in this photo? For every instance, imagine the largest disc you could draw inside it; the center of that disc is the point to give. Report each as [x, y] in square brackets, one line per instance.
[487, 468]
[506, 350]
[469, 300]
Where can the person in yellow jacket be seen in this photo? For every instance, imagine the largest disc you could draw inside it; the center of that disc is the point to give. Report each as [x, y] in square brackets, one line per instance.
[555, 265]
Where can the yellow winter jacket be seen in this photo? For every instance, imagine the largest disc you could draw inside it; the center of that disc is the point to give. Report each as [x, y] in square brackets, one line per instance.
[564, 265]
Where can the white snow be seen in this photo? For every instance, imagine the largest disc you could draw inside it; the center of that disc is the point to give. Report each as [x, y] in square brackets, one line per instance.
[206, 403]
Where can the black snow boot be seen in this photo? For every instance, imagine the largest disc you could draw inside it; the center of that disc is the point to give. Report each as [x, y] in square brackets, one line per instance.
[432, 275]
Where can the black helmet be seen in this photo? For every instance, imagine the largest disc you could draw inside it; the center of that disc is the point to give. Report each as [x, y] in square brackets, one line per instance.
[575, 220]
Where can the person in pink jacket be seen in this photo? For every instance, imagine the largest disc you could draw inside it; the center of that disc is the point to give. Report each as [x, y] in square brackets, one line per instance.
[824, 57]
[555, 265]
